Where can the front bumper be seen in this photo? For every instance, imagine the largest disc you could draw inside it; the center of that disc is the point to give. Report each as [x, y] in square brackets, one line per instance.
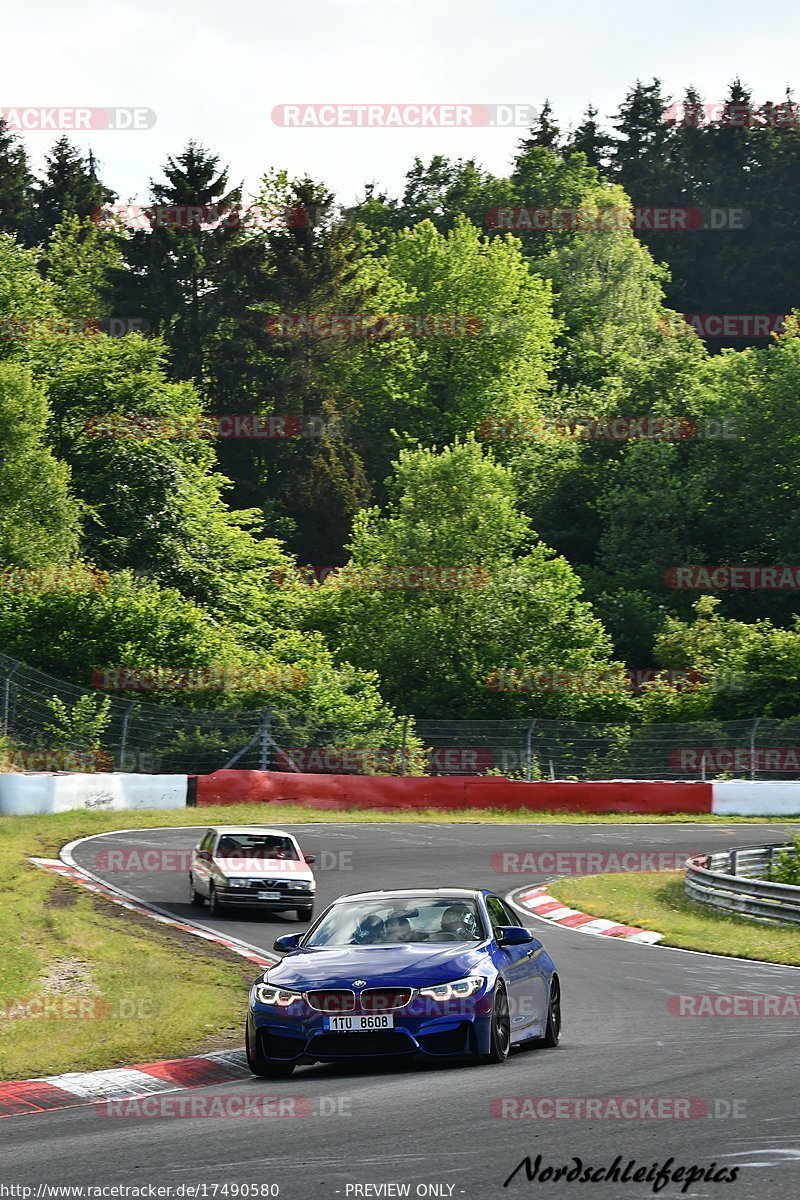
[460, 1028]
[249, 899]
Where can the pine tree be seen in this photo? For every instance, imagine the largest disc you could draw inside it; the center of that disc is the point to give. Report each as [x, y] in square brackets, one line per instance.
[312, 484]
[16, 184]
[545, 132]
[175, 264]
[70, 186]
[641, 156]
[589, 139]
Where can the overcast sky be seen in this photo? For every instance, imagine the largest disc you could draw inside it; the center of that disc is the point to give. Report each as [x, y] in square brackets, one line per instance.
[214, 71]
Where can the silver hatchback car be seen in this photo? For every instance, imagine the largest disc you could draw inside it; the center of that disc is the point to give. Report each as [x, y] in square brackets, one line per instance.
[251, 866]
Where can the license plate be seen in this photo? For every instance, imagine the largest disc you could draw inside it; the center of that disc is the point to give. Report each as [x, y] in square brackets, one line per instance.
[269, 895]
[358, 1024]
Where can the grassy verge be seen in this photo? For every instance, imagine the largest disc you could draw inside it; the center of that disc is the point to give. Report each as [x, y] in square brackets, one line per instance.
[116, 989]
[85, 984]
[657, 901]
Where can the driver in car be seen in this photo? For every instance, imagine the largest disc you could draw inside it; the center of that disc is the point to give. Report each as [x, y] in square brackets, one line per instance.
[273, 850]
[458, 921]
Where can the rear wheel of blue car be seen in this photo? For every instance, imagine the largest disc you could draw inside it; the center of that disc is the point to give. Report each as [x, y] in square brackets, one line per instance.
[265, 1068]
[500, 1030]
[552, 1031]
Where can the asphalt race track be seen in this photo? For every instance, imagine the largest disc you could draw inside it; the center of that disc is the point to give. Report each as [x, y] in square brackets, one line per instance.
[432, 1125]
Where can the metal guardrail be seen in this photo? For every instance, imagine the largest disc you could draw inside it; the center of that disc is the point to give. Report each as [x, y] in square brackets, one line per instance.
[732, 880]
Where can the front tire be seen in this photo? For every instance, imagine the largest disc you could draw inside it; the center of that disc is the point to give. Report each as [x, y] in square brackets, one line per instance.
[500, 1033]
[195, 899]
[305, 914]
[264, 1067]
[214, 905]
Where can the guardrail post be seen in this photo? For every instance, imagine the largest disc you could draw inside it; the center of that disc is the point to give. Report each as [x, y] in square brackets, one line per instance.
[753, 747]
[528, 741]
[733, 862]
[403, 747]
[265, 740]
[123, 737]
[7, 699]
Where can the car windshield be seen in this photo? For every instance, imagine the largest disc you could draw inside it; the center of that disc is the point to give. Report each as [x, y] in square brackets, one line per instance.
[256, 845]
[399, 919]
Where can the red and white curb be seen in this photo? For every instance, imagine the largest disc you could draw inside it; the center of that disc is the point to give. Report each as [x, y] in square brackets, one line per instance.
[539, 903]
[79, 1088]
[86, 1087]
[117, 896]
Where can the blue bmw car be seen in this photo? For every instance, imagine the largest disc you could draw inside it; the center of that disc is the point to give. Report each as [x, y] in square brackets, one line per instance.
[435, 972]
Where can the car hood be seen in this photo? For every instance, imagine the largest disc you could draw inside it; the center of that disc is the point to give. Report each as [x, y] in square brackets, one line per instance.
[380, 966]
[262, 868]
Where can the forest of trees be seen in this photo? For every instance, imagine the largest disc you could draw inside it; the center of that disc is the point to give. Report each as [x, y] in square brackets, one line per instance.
[467, 474]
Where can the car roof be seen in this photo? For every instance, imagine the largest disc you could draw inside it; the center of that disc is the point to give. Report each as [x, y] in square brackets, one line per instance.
[467, 893]
[247, 829]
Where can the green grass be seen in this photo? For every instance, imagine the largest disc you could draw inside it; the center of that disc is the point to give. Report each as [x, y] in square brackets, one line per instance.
[657, 901]
[145, 991]
[59, 943]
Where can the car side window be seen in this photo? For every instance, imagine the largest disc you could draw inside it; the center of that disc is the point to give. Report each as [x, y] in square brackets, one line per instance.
[497, 913]
[511, 916]
[208, 841]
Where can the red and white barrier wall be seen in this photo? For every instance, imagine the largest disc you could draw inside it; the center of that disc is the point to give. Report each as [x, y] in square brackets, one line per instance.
[761, 798]
[486, 792]
[27, 794]
[24, 795]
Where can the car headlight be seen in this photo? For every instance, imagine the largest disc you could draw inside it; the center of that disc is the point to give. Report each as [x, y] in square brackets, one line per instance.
[457, 990]
[265, 993]
[236, 883]
[302, 886]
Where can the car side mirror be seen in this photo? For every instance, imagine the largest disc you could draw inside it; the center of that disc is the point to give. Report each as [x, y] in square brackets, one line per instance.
[205, 855]
[289, 941]
[514, 935]
[310, 858]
